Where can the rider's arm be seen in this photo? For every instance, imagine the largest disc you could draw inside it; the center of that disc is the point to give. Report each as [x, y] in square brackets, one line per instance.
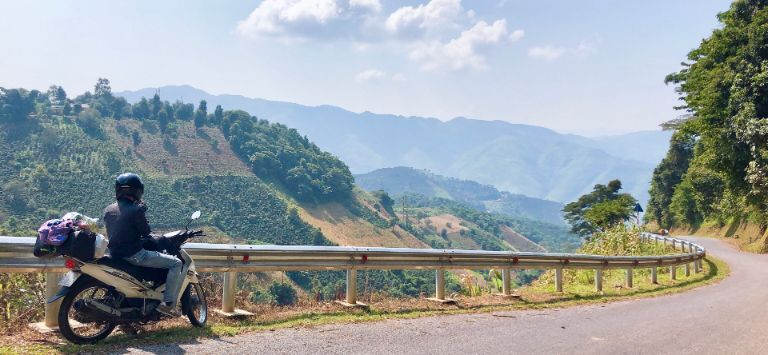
[141, 223]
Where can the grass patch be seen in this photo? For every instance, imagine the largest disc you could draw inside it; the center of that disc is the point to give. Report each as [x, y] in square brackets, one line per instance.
[540, 295]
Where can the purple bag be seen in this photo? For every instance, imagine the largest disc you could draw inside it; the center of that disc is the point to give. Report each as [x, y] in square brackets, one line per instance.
[55, 232]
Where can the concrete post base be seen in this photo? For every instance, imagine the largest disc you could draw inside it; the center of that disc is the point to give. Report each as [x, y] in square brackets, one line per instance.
[352, 305]
[443, 301]
[234, 314]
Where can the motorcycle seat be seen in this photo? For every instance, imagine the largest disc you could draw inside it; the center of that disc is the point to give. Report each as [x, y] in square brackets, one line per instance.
[157, 276]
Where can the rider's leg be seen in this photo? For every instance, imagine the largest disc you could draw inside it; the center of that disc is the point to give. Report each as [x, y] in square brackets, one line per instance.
[159, 260]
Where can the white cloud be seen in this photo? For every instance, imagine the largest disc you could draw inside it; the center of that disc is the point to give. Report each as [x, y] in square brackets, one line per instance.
[516, 35]
[585, 48]
[369, 75]
[373, 5]
[466, 50]
[279, 16]
[548, 53]
[435, 33]
[432, 16]
[377, 75]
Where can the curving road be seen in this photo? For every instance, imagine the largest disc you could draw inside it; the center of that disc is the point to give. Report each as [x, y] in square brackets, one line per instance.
[730, 317]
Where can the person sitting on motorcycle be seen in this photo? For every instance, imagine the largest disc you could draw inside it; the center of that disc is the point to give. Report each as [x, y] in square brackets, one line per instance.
[127, 227]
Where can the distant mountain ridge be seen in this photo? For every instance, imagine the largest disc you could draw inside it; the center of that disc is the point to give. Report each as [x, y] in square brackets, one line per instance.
[401, 181]
[524, 159]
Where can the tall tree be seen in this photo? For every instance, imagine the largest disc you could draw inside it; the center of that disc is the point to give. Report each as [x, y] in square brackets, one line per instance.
[724, 87]
[141, 109]
[155, 105]
[600, 209]
[667, 176]
[102, 88]
[17, 104]
[218, 115]
[201, 114]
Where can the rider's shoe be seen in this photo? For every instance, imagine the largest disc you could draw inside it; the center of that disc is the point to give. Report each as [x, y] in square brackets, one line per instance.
[168, 310]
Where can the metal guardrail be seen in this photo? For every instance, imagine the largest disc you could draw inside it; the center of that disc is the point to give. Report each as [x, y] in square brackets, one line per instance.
[16, 256]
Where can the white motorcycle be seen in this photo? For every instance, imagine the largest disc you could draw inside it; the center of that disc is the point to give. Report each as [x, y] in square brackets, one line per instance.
[99, 295]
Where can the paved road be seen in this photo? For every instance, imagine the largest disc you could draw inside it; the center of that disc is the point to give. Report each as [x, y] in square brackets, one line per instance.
[726, 318]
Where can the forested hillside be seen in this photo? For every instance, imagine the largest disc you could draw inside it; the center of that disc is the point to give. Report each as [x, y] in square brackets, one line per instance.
[402, 180]
[521, 159]
[491, 231]
[255, 181]
[62, 154]
[716, 170]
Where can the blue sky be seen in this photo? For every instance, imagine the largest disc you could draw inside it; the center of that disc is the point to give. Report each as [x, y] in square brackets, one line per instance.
[588, 67]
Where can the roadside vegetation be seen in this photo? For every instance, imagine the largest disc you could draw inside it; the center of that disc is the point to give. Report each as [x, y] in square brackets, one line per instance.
[714, 174]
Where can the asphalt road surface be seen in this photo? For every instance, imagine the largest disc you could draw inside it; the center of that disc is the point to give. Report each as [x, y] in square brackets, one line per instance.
[730, 317]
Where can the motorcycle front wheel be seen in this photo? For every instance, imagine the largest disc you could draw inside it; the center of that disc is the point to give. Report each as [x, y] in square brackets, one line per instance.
[194, 305]
[73, 325]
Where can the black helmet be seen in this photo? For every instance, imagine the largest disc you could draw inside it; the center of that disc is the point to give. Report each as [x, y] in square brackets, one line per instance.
[129, 184]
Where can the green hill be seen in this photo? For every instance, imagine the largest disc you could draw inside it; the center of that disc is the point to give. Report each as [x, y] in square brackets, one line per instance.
[403, 180]
[486, 230]
[255, 181]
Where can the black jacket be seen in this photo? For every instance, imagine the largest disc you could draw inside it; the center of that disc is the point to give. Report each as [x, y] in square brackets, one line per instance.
[126, 225]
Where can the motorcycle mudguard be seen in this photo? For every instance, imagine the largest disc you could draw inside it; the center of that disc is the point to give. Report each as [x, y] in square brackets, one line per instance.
[66, 283]
[69, 278]
[62, 292]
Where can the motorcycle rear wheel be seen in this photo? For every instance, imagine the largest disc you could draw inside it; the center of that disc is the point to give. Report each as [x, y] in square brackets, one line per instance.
[88, 332]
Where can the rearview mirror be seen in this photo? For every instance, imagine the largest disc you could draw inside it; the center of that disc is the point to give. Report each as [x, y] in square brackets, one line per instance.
[195, 215]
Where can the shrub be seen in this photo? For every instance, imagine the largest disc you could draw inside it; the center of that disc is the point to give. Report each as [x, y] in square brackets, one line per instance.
[282, 293]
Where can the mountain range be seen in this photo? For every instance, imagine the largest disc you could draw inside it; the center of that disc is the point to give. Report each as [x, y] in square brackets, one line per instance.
[522, 159]
[402, 181]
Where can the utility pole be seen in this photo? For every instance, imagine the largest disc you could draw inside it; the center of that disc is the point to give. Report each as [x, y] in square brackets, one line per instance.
[405, 211]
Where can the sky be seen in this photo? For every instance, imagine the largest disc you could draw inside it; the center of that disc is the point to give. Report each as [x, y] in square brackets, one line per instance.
[590, 67]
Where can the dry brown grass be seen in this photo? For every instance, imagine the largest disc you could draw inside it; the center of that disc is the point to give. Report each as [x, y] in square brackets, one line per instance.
[193, 150]
[342, 227]
[449, 222]
[519, 241]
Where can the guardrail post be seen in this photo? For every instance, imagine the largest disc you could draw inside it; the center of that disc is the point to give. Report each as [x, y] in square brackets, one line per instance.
[673, 243]
[228, 297]
[440, 284]
[599, 280]
[506, 282]
[351, 297]
[352, 286]
[673, 272]
[654, 275]
[687, 269]
[697, 266]
[629, 277]
[440, 288]
[51, 322]
[559, 279]
[52, 309]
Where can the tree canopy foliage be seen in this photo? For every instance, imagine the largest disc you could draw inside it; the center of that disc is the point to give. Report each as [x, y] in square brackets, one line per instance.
[273, 150]
[602, 208]
[724, 133]
[278, 152]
